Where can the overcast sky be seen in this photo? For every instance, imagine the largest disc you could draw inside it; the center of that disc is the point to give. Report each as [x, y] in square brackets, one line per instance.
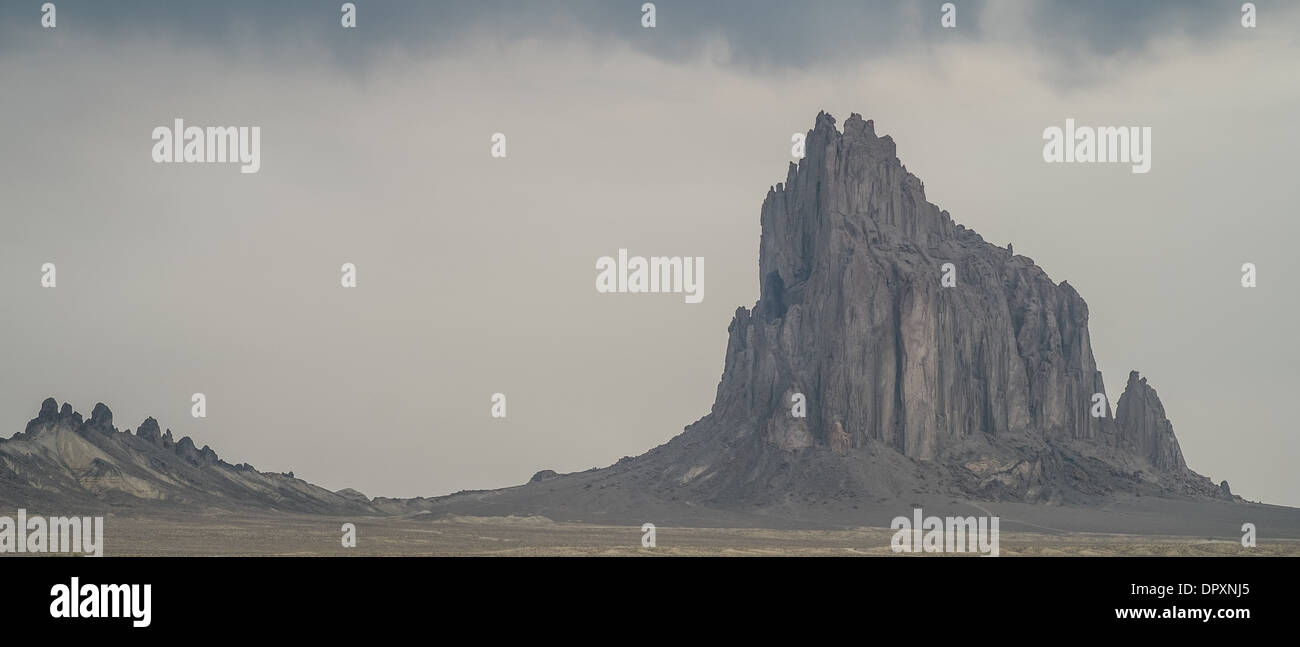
[476, 275]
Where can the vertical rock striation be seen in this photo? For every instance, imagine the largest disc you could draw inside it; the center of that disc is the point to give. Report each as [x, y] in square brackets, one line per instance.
[852, 314]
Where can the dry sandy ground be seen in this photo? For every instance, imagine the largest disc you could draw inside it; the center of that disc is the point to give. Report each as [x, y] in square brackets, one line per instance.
[229, 534]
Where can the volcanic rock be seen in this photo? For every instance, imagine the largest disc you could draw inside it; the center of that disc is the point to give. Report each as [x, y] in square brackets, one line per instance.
[932, 362]
[61, 462]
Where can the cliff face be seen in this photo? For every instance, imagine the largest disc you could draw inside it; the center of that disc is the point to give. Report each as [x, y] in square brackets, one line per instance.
[852, 313]
[929, 359]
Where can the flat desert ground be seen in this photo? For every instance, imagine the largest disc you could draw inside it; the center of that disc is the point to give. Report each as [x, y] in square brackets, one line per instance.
[235, 534]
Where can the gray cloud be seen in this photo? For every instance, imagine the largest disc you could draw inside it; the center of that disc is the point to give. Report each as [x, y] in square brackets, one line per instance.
[759, 34]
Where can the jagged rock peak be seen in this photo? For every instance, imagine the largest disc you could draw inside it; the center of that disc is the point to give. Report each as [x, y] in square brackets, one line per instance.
[850, 189]
[208, 456]
[187, 450]
[51, 415]
[1143, 426]
[149, 431]
[101, 415]
[101, 421]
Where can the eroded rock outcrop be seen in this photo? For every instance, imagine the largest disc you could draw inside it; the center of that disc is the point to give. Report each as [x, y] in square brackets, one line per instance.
[852, 313]
[1144, 427]
[929, 360]
[62, 461]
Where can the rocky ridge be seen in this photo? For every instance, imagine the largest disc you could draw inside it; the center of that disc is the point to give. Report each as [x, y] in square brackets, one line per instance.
[62, 460]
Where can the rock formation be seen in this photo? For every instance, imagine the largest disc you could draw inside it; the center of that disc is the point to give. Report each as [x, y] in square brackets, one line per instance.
[62, 460]
[542, 476]
[1144, 428]
[930, 361]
